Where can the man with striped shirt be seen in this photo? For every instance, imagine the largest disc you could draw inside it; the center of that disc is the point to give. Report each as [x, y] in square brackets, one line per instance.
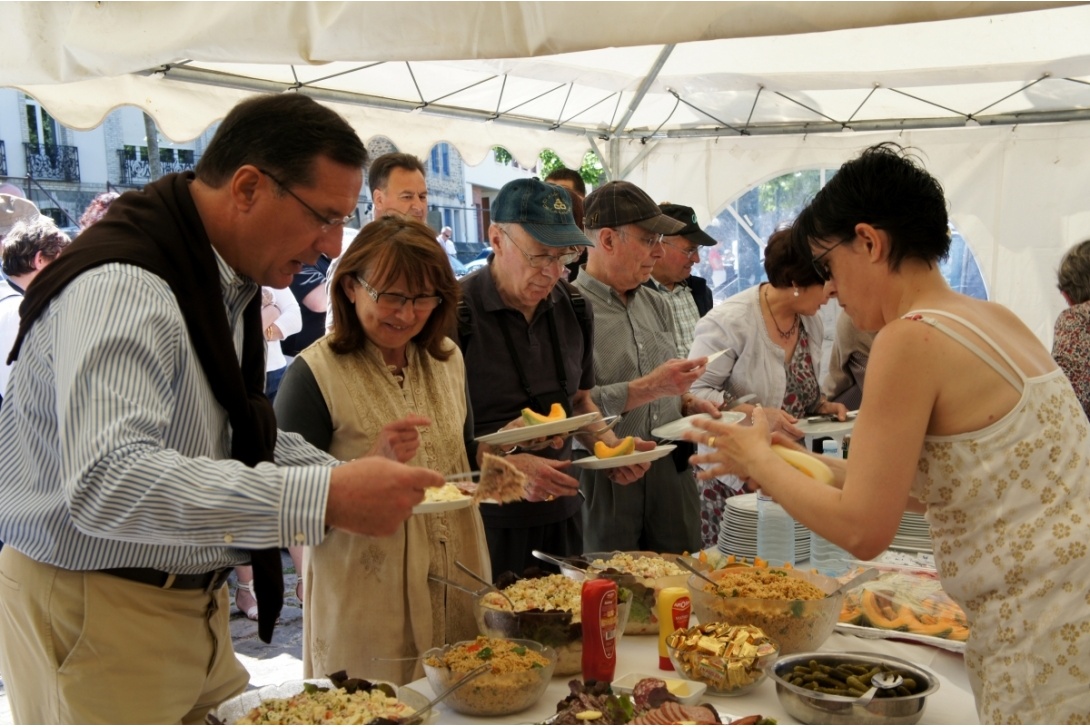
[141, 458]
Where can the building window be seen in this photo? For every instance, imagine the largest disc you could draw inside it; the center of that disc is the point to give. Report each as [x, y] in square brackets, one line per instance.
[41, 128]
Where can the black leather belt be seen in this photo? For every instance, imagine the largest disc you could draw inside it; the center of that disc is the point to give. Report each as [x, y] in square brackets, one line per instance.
[210, 581]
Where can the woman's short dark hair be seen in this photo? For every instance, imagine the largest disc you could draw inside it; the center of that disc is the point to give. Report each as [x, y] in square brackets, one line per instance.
[385, 250]
[26, 240]
[786, 264]
[888, 188]
[282, 133]
[1074, 273]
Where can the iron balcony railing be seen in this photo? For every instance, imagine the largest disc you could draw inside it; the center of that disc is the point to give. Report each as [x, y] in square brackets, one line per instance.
[138, 171]
[52, 161]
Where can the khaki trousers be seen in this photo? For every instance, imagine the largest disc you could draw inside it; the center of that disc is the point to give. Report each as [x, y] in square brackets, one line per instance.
[87, 647]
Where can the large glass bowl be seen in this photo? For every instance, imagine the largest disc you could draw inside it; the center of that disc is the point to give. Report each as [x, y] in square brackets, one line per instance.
[561, 630]
[725, 676]
[499, 692]
[795, 625]
[235, 709]
[645, 588]
[813, 707]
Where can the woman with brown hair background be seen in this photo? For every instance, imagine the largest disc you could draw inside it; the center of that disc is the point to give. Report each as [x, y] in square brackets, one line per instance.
[386, 380]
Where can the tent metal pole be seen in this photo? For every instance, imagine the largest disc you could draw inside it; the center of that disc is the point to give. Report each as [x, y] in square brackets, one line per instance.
[645, 86]
[644, 152]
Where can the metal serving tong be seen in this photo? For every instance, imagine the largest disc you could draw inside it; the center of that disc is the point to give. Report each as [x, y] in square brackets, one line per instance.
[465, 569]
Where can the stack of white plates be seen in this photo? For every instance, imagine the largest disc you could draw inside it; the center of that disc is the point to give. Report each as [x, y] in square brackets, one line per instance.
[738, 530]
[913, 535]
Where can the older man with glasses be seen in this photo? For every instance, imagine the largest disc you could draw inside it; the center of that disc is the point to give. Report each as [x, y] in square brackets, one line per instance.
[689, 295]
[638, 375]
[527, 340]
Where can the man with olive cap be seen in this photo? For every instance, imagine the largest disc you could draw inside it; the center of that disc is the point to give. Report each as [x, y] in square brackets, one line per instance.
[527, 340]
[638, 374]
[688, 295]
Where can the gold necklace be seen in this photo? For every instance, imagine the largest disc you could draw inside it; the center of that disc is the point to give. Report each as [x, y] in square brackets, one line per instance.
[785, 335]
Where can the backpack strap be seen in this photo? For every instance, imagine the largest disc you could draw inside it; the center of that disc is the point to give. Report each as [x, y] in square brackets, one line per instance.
[578, 303]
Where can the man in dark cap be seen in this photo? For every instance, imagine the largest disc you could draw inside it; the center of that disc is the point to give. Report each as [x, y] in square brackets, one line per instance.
[689, 296]
[526, 337]
[638, 375]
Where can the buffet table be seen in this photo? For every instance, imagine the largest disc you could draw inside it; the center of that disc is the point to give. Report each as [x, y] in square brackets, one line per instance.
[951, 704]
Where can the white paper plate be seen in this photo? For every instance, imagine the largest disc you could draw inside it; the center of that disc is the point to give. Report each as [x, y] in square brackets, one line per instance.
[427, 508]
[673, 430]
[695, 690]
[593, 463]
[534, 431]
[816, 429]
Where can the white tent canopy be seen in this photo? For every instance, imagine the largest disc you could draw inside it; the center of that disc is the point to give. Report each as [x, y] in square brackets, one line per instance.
[696, 102]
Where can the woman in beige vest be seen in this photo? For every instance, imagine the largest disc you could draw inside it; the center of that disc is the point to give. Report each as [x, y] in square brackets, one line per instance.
[386, 380]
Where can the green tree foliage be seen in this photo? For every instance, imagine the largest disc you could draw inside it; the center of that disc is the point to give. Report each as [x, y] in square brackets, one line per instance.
[590, 170]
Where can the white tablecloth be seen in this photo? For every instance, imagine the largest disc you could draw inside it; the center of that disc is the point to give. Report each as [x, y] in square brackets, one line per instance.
[951, 704]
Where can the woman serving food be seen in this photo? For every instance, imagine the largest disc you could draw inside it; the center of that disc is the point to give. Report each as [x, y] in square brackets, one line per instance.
[964, 415]
[771, 334]
[386, 381]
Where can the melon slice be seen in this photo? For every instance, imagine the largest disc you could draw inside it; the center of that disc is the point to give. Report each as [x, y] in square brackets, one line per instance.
[625, 446]
[804, 463]
[556, 413]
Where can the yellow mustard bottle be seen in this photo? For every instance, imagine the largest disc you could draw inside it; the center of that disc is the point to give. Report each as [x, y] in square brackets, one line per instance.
[672, 609]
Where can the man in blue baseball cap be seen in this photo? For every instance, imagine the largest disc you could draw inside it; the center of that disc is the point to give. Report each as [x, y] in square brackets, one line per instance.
[527, 339]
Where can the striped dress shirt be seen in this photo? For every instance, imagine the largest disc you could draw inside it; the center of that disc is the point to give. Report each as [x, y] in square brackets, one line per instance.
[686, 315]
[115, 452]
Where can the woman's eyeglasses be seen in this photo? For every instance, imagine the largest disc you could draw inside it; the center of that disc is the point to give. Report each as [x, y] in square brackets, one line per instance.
[822, 268]
[395, 302]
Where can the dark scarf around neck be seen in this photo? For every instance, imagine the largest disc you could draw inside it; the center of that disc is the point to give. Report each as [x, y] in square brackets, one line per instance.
[159, 229]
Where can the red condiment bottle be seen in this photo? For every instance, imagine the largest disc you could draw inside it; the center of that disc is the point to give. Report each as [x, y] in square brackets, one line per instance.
[599, 602]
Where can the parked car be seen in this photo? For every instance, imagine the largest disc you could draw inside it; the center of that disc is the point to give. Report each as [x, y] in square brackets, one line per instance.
[457, 266]
[478, 262]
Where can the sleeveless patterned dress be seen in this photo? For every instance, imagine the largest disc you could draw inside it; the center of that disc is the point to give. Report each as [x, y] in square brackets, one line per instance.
[1009, 511]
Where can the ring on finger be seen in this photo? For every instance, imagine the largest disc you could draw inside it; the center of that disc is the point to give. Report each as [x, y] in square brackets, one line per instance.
[711, 441]
[550, 498]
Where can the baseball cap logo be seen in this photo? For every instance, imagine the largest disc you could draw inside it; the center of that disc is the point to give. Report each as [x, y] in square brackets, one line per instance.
[558, 204]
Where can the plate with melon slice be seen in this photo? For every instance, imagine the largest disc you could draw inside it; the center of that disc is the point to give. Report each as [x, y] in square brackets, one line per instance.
[535, 425]
[621, 455]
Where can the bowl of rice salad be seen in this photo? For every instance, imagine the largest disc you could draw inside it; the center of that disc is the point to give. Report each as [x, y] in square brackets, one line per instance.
[521, 670]
[642, 572]
[320, 701]
[790, 606]
[547, 610]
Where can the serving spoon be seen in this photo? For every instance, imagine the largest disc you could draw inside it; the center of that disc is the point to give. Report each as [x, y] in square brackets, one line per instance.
[881, 680]
[684, 564]
[409, 719]
[559, 562]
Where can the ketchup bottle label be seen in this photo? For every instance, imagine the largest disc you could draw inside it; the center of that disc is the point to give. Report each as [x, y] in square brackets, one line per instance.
[599, 603]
